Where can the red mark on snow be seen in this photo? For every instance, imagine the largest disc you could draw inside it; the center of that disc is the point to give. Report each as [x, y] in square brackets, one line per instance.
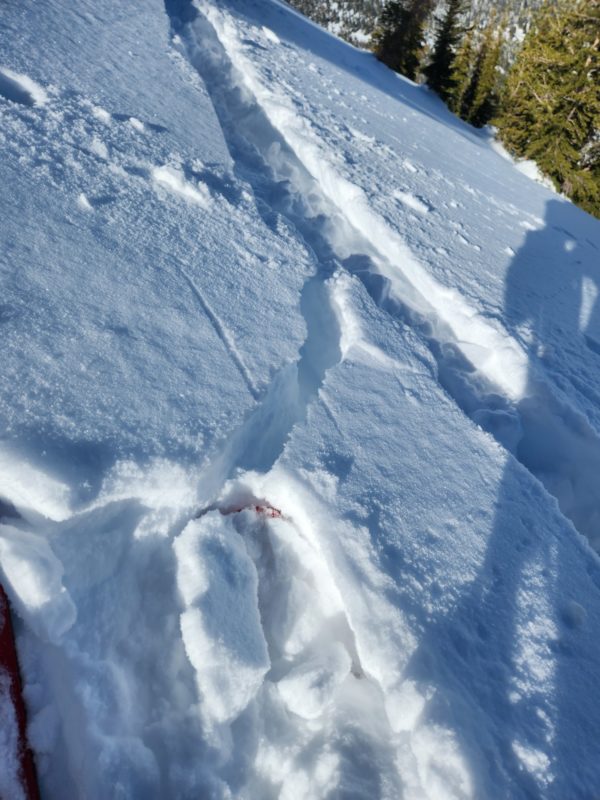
[265, 509]
[10, 665]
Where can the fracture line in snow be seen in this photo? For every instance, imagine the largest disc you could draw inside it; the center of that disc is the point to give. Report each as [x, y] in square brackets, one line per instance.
[501, 359]
[330, 214]
[259, 441]
[311, 677]
[223, 334]
[335, 221]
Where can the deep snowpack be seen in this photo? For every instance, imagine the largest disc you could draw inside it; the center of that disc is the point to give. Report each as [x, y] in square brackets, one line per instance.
[299, 422]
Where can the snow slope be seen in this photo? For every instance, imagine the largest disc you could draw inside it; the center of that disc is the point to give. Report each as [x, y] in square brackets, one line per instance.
[300, 422]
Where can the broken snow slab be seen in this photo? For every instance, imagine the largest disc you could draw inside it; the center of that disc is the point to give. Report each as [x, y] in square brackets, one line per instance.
[474, 603]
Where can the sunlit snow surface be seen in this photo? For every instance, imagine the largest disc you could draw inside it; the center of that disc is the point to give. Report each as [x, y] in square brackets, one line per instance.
[299, 422]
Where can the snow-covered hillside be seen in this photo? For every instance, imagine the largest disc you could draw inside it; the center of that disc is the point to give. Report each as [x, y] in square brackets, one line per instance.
[299, 422]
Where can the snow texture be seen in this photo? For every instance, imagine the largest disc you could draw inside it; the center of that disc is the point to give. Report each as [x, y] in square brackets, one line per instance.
[299, 423]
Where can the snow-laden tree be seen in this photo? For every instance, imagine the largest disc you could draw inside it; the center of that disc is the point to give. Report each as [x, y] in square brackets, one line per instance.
[551, 105]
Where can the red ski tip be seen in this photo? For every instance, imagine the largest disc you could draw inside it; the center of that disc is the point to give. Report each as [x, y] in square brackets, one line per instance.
[10, 667]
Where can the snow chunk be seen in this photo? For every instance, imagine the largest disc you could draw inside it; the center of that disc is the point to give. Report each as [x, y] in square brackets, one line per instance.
[220, 625]
[442, 769]
[137, 124]
[98, 147]
[83, 202]
[352, 336]
[30, 488]
[533, 760]
[34, 576]
[173, 181]
[271, 35]
[164, 488]
[408, 199]
[101, 114]
[589, 297]
[21, 88]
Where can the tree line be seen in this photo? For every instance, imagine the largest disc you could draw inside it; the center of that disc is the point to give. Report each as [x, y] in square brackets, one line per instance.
[544, 100]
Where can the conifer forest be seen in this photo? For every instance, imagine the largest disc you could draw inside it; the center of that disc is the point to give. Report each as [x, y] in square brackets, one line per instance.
[529, 68]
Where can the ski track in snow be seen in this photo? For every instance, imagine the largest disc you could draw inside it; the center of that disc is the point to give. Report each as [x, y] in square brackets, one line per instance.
[223, 334]
[480, 366]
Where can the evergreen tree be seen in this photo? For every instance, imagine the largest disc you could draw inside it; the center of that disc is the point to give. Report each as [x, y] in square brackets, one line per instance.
[482, 102]
[551, 106]
[475, 74]
[439, 71]
[462, 71]
[398, 39]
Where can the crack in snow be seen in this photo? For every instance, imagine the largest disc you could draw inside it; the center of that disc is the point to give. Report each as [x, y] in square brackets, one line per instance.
[481, 367]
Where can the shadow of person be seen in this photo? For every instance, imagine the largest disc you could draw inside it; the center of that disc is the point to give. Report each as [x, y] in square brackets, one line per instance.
[513, 662]
[552, 282]
[550, 293]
